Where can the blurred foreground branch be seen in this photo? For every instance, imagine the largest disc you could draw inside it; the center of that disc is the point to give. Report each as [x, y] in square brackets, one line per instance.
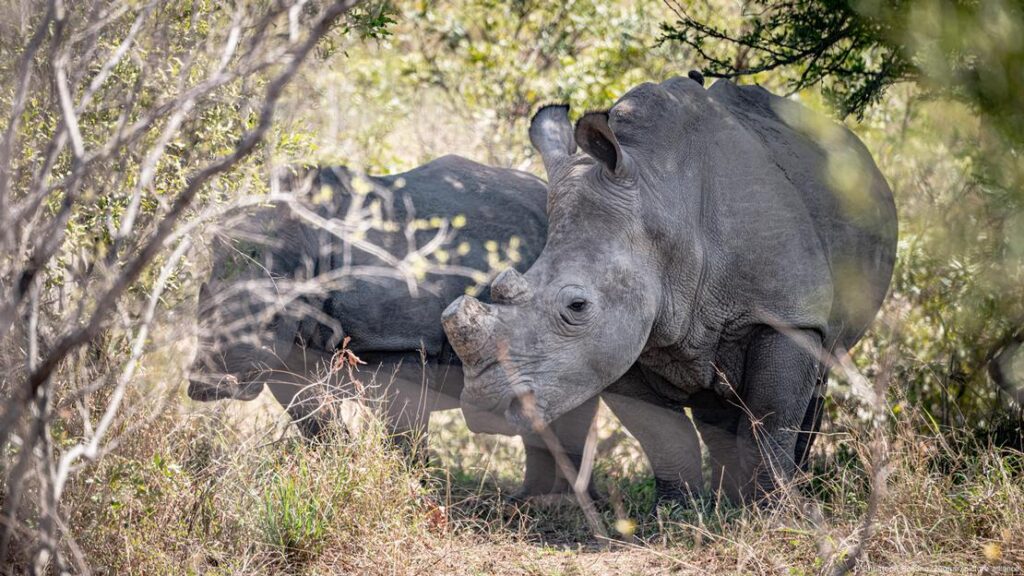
[102, 158]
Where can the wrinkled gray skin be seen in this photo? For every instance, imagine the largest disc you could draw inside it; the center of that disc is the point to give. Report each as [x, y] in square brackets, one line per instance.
[696, 257]
[250, 336]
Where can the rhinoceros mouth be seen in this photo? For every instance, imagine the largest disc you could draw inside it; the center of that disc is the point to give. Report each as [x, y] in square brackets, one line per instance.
[513, 413]
[222, 387]
[487, 422]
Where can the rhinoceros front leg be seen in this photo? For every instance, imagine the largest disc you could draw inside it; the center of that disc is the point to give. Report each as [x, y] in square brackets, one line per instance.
[409, 395]
[414, 394]
[301, 403]
[718, 429]
[543, 476]
[301, 392]
[666, 434]
[780, 374]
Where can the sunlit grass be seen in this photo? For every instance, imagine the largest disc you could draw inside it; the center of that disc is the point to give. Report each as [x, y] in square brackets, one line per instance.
[229, 494]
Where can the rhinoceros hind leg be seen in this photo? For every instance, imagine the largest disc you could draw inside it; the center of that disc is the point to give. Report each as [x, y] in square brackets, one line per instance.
[809, 429]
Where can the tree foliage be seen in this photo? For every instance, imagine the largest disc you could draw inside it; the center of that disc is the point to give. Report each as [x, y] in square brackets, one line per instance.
[855, 50]
[465, 76]
[828, 43]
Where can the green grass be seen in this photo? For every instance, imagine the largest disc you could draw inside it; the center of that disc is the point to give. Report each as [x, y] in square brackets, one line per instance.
[292, 518]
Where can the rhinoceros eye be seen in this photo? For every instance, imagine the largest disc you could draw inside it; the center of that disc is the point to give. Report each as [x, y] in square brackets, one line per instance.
[575, 305]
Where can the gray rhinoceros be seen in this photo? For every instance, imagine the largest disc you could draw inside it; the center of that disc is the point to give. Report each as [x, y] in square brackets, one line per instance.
[700, 253]
[285, 292]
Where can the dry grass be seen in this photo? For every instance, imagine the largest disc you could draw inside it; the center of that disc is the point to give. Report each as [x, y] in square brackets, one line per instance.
[229, 489]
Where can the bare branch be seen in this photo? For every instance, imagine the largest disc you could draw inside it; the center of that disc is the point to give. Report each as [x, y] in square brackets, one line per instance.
[7, 144]
[155, 244]
[91, 449]
[79, 159]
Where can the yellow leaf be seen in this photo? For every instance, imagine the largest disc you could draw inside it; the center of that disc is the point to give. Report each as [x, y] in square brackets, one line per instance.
[361, 186]
[625, 526]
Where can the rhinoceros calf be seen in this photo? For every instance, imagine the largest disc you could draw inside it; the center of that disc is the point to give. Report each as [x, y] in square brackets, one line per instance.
[285, 292]
[702, 251]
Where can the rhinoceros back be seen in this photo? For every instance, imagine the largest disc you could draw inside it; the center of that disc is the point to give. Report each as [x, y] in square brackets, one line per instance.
[846, 195]
[379, 312]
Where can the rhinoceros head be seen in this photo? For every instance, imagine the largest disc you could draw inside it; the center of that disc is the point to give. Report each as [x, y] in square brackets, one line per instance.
[580, 317]
[243, 331]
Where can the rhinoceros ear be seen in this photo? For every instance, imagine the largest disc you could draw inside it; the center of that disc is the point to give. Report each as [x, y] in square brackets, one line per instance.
[551, 135]
[596, 138]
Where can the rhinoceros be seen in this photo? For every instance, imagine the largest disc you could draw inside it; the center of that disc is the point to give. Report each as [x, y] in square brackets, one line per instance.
[286, 293]
[703, 251]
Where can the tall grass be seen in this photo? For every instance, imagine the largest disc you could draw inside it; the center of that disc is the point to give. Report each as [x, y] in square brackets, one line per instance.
[222, 489]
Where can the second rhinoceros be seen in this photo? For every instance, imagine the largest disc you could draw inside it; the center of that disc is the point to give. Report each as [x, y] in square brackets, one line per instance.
[293, 282]
[703, 251]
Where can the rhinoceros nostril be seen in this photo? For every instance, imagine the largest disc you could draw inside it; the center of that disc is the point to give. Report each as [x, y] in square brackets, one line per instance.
[515, 406]
[522, 411]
